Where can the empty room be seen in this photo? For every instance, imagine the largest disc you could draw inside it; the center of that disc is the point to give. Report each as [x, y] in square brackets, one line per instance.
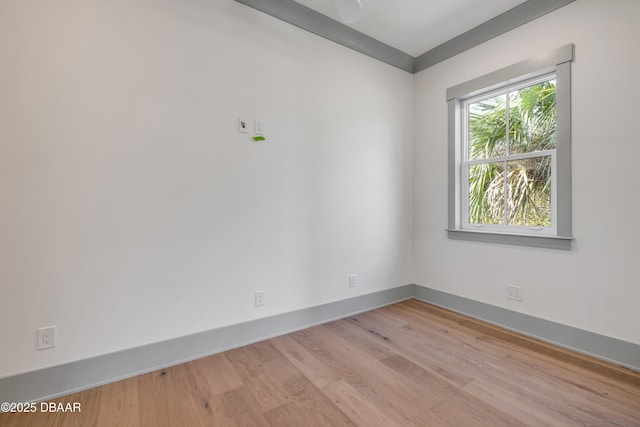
[319, 212]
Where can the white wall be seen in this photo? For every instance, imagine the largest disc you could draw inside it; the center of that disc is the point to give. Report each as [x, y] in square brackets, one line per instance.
[595, 286]
[131, 209]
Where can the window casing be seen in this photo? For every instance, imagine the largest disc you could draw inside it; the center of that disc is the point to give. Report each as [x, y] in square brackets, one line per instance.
[545, 220]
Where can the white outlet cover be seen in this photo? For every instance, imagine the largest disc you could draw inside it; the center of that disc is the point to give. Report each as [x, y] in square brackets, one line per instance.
[46, 337]
[352, 281]
[515, 292]
[258, 127]
[259, 298]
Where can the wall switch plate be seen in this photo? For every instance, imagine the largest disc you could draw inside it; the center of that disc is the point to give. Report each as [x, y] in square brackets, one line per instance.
[259, 298]
[258, 127]
[352, 281]
[514, 292]
[46, 337]
[243, 125]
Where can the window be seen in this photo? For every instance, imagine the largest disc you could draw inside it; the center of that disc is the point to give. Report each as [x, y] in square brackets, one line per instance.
[510, 154]
[508, 160]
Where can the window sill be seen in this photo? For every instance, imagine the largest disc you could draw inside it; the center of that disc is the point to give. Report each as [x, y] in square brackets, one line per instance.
[538, 241]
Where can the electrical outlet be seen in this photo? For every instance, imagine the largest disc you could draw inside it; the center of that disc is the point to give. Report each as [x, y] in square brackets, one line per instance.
[46, 337]
[514, 292]
[259, 298]
[352, 281]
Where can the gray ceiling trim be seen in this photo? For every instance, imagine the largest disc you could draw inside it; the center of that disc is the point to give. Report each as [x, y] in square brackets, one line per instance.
[317, 23]
[501, 24]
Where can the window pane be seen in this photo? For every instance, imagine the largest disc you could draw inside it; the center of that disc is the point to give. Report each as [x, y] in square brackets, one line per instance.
[529, 192]
[532, 118]
[487, 128]
[486, 193]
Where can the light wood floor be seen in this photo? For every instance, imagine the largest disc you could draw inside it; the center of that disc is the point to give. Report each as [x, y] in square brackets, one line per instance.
[406, 364]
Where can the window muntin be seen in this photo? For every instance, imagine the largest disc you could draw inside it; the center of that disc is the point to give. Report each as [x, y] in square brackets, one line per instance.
[509, 139]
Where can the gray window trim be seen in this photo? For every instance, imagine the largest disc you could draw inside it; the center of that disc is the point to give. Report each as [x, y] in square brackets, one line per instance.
[558, 60]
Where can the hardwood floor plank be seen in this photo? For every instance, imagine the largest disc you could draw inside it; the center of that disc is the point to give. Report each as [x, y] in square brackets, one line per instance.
[446, 332]
[475, 413]
[215, 374]
[369, 376]
[153, 399]
[524, 410]
[289, 415]
[580, 364]
[89, 401]
[119, 404]
[306, 362]
[513, 341]
[280, 371]
[357, 407]
[265, 393]
[419, 349]
[9, 419]
[294, 414]
[405, 364]
[315, 410]
[235, 407]
[361, 337]
[322, 408]
[243, 362]
[568, 394]
[185, 401]
[432, 386]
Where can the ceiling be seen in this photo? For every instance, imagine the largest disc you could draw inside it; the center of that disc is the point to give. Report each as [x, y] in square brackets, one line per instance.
[411, 34]
[417, 26]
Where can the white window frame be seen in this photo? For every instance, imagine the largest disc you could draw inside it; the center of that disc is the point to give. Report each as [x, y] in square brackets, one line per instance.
[505, 228]
[558, 236]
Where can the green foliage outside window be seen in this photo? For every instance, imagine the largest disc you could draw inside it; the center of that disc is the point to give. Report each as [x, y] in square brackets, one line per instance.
[501, 189]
